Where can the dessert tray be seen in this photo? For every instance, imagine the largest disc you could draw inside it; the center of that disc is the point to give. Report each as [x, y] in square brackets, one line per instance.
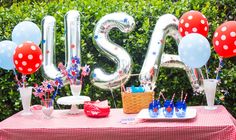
[73, 100]
[144, 114]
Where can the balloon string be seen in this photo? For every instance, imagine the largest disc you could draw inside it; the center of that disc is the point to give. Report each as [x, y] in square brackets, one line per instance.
[207, 74]
[16, 78]
[113, 97]
[24, 80]
[218, 70]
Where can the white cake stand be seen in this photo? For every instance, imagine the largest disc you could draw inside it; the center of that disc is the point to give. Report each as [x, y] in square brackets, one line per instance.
[73, 101]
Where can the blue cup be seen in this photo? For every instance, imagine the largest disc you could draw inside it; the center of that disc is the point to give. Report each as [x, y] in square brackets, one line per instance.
[154, 108]
[168, 109]
[180, 109]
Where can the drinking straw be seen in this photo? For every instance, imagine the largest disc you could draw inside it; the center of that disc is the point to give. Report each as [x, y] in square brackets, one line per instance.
[206, 69]
[185, 97]
[159, 96]
[172, 98]
[163, 96]
[181, 96]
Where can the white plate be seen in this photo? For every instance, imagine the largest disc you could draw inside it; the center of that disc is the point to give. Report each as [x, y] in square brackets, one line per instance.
[70, 100]
[144, 114]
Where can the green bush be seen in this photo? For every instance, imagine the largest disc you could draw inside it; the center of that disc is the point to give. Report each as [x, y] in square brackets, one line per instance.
[145, 13]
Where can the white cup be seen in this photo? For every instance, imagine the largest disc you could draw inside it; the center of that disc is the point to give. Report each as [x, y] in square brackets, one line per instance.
[210, 90]
[75, 89]
[26, 94]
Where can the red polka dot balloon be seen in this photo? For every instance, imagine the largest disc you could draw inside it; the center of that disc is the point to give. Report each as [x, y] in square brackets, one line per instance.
[193, 22]
[27, 58]
[224, 39]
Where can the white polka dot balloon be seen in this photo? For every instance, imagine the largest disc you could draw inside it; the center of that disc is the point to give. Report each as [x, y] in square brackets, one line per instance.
[27, 58]
[194, 50]
[193, 22]
[224, 39]
[26, 31]
[7, 49]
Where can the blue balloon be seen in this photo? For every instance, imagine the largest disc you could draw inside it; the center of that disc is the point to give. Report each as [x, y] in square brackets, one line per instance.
[26, 31]
[194, 50]
[7, 49]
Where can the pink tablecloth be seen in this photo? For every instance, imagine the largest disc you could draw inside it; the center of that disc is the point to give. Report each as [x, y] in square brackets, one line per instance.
[208, 125]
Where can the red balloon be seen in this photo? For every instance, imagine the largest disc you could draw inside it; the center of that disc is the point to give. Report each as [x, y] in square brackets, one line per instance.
[27, 58]
[193, 22]
[224, 39]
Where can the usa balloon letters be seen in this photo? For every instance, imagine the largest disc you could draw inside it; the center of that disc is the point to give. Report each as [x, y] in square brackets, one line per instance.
[167, 25]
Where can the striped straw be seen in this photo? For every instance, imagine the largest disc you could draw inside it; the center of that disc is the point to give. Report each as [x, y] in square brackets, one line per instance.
[172, 98]
[185, 97]
[181, 98]
[163, 96]
[159, 96]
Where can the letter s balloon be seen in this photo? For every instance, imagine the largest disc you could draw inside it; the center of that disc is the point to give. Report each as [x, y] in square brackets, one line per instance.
[116, 53]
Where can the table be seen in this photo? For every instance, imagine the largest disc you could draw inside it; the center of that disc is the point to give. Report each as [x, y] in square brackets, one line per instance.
[208, 125]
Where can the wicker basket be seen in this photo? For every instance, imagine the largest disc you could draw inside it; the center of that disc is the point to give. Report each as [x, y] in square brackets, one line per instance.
[134, 102]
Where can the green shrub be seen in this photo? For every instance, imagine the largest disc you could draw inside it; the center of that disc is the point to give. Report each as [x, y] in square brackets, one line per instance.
[145, 13]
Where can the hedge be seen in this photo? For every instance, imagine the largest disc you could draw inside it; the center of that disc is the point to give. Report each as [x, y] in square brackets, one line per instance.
[145, 13]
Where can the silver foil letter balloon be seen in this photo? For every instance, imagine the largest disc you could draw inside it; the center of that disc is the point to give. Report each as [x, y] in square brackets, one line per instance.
[72, 42]
[116, 53]
[167, 25]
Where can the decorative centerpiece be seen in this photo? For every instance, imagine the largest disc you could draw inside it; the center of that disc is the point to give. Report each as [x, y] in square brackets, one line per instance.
[72, 74]
[27, 60]
[47, 93]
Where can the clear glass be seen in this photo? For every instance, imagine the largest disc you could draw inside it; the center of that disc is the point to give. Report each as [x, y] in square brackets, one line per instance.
[26, 94]
[180, 109]
[210, 90]
[168, 109]
[47, 108]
